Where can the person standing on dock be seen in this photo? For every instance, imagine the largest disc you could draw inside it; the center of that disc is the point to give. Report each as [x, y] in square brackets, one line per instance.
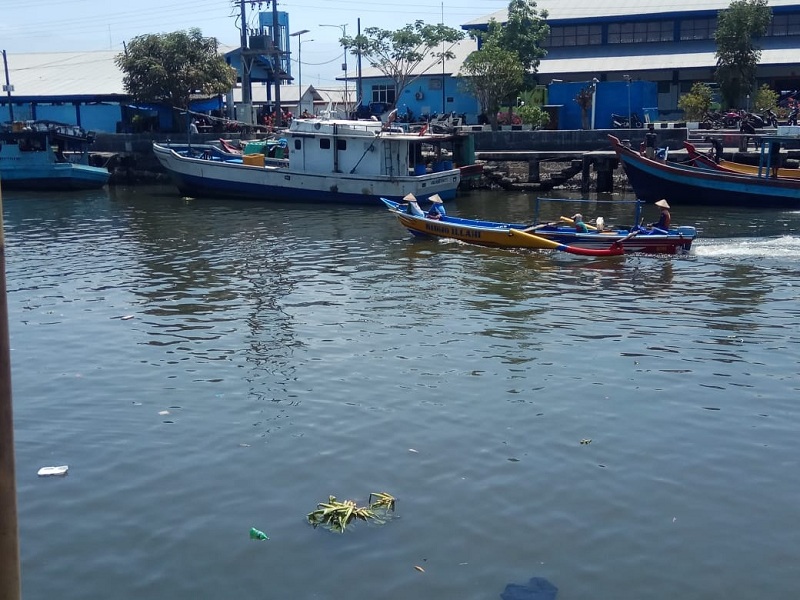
[650, 139]
[717, 148]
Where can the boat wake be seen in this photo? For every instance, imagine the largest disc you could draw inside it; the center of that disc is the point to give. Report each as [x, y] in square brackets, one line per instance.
[773, 247]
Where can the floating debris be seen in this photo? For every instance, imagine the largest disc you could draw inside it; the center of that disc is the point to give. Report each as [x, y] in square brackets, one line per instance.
[418, 568]
[257, 534]
[586, 441]
[337, 515]
[53, 471]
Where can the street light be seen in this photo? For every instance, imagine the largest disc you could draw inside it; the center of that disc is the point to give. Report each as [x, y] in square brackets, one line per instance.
[344, 64]
[297, 34]
[628, 79]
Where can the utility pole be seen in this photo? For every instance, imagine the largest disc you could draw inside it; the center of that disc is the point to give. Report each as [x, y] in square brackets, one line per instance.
[8, 88]
[247, 98]
[358, 93]
[276, 61]
[10, 581]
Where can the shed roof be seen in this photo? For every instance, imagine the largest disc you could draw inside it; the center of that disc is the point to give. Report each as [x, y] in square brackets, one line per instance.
[559, 10]
[644, 57]
[64, 74]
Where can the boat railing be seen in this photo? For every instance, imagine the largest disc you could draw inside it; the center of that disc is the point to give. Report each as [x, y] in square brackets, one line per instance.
[637, 203]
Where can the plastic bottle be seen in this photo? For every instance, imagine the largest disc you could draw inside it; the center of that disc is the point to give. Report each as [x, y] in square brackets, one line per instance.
[255, 534]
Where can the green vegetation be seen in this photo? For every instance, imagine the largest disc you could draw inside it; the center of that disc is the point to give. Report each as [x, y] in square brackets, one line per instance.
[399, 54]
[168, 68]
[738, 29]
[492, 74]
[337, 515]
[765, 99]
[697, 102]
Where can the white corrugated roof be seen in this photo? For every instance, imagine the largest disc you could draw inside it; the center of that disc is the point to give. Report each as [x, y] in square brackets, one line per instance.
[64, 73]
[67, 73]
[581, 9]
[650, 61]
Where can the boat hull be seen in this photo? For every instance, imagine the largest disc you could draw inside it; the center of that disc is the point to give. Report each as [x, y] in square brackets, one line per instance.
[492, 233]
[205, 178]
[54, 176]
[652, 180]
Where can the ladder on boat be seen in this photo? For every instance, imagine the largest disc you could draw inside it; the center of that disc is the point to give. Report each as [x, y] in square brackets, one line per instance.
[387, 159]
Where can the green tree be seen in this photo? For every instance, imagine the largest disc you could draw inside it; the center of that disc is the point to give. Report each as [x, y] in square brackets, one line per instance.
[738, 28]
[696, 103]
[765, 99]
[524, 33]
[533, 115]
[400, 54]
[168, 68]
[491, 74]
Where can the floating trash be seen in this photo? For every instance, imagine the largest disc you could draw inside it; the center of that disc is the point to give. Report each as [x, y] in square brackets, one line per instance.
[337, 515]
[257, 534]
[51, 471]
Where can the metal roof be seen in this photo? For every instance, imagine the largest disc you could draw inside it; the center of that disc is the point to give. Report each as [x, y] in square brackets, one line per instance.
[648, 57]
[559, 10]
[58, 74]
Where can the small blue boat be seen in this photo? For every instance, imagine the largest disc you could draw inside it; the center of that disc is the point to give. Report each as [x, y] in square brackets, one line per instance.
[43, 155]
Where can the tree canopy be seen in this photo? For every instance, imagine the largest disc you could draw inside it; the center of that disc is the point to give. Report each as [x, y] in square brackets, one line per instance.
[697, 102]
[492, 74]
[168, 68]
[524, 32]
[738, 28]
[400, 54]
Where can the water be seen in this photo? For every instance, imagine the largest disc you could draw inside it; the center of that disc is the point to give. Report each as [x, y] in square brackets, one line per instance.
[205, 367]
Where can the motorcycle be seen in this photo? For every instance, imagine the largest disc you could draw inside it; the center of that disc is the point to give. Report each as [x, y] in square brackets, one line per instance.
[793, 115]
[731, 119]
[622, 122]
[712, 120]
[755, 120]
[770, 118]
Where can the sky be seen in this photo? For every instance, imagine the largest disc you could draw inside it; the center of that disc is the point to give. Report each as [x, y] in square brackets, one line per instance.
[85, 25]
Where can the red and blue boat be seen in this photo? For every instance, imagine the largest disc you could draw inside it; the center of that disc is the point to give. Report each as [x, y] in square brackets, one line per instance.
[683, 184]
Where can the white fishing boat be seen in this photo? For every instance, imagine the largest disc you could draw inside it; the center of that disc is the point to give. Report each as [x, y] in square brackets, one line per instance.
[331, 161]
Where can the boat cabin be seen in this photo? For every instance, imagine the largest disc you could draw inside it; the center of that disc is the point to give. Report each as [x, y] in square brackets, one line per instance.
[367, 146]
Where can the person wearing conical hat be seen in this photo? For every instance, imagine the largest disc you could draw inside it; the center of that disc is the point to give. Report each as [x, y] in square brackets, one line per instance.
[413, 206]
[664, 219]
[436, 210]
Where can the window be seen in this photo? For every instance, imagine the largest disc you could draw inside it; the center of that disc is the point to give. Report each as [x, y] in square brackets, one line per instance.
[324, 143]
[435, 83]
[698, 29]
[642, 31]
[580, 35]
[784, 25]
[384, 93]
[297, 144]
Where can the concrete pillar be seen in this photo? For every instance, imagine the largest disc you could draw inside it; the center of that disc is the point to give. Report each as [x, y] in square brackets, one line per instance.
[534, 175]
[605, 174]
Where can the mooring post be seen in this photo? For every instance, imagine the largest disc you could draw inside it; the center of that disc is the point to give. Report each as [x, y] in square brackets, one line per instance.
[605, 175]
[534, 175]
[10, 585]
[586, 169]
